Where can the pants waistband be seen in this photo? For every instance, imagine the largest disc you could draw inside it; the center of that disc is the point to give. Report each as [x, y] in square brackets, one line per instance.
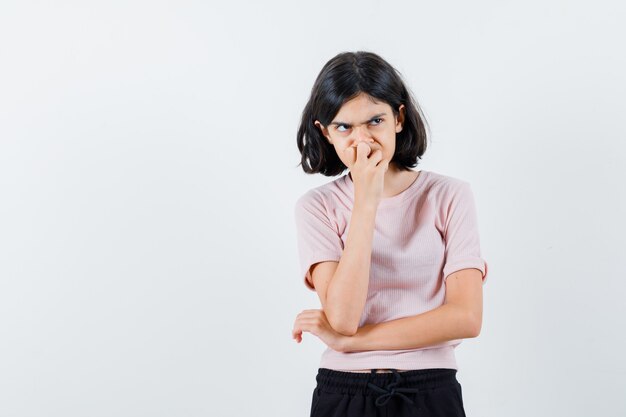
[330, 380]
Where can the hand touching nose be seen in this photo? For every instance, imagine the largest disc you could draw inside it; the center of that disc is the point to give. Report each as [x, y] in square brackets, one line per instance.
[368, 174]
[368, 142]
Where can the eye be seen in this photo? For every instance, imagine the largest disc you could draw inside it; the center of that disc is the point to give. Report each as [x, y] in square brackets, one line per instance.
[342, 128]
[377, 121]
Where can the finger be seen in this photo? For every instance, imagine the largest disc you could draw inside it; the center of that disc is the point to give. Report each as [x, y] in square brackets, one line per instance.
[302, 312]
[297, 336]
[297, 330]
[310, 324]
[311, 310]
[307, 314]
[297, 333]
[376, 157]
[362, 151]
[350, 156]
[383, 163]
[307, 319]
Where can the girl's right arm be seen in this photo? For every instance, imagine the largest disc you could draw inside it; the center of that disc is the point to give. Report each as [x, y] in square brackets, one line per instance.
[342, 286]
[346, 290]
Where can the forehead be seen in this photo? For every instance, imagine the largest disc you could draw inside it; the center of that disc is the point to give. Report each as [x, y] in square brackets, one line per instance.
[362, 106]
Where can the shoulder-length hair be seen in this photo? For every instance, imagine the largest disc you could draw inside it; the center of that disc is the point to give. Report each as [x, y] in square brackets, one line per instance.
[342, 79]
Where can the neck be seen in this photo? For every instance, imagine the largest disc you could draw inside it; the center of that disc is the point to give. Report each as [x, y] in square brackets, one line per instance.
[396, 180]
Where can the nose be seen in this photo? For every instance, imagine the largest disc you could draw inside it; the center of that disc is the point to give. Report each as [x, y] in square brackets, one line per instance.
[361, 134]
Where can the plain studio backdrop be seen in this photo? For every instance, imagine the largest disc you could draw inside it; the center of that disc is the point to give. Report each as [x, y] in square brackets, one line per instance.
[148, 174]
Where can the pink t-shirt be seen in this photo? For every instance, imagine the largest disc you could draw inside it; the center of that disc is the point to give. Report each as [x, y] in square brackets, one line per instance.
[421, 236]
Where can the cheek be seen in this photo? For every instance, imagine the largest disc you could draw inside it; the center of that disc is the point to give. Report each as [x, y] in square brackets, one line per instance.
[389, 147]
[345, 154]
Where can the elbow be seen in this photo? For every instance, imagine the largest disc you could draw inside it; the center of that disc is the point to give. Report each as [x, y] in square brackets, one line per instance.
[342, 326]
[473, 326]
[341, 319]
[348, 331]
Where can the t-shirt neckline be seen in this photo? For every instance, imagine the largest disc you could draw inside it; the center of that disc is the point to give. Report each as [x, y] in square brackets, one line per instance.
[395, 200]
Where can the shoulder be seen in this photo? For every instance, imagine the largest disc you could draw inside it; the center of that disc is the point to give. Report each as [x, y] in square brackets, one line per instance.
[446, 186]
[320, 197]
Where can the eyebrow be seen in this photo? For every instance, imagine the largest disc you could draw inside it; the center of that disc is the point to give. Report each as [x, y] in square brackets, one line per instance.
[376, 116]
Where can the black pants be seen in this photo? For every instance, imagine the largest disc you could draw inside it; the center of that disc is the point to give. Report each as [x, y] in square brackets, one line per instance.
[419, 393]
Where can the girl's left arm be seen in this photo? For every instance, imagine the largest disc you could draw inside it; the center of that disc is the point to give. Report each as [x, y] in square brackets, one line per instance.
[460, 317]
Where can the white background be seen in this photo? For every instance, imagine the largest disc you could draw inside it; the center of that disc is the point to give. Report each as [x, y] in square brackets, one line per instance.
[148, 171]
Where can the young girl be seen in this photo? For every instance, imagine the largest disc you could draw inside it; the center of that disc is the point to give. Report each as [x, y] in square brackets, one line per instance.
[393, 253]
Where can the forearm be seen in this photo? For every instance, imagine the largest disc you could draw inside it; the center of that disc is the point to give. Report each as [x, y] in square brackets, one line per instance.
[442, 324]
[347, 291]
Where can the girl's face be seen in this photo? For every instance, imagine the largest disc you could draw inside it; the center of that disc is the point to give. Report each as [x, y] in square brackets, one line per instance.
[363, 120]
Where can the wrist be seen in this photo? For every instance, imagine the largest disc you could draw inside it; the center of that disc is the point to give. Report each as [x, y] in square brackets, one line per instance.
[367, 206]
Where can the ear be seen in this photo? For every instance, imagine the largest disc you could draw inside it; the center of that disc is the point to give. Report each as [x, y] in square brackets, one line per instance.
[400, 118]
[324, 130]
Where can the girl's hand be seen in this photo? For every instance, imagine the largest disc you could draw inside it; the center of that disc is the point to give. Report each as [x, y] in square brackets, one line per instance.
[315, 322]
[367, 172]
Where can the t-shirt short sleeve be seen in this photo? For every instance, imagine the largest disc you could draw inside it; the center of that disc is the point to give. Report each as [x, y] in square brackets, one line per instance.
[318, 240]
[462, 241]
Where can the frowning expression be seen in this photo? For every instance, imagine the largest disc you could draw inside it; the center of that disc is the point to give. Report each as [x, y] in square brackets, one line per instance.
[363, 119]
